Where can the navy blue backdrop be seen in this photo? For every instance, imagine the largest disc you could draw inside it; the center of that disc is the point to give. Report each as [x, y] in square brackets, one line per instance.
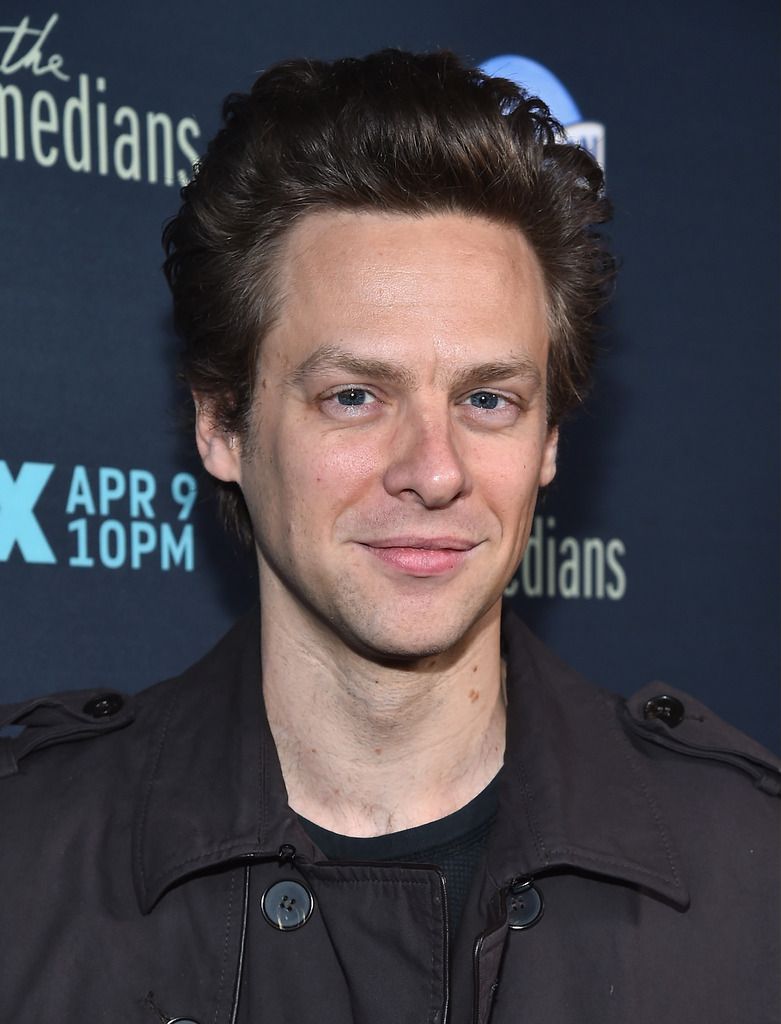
[655, 554]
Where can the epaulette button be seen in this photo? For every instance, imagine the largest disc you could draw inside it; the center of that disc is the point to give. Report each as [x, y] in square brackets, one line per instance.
[669, 709]
[104, 706]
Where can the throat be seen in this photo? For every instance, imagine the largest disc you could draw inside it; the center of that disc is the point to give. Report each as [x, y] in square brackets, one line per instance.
[356, 780]
[367, 748]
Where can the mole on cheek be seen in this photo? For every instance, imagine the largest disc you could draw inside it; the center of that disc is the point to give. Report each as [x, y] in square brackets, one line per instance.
[473, 695]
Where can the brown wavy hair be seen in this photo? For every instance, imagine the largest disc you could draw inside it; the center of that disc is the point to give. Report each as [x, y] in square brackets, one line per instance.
[392, 132]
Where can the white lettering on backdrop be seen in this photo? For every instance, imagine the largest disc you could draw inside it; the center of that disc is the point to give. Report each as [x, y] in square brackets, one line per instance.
[84, 130]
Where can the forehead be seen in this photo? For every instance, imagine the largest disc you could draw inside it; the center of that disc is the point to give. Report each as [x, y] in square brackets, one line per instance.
[450, 281]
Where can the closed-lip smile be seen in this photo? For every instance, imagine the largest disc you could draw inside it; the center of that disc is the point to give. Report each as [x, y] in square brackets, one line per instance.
[427, 543]
[421, 556]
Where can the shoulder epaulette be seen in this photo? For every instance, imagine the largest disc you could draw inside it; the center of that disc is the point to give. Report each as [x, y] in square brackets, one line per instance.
[676, 720]
[59, 718]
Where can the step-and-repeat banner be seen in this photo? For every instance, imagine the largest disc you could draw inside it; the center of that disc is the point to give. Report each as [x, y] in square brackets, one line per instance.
[655, 553]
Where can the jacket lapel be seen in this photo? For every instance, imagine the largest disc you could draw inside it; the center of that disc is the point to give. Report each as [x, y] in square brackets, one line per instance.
[574, 793]
[212, 790]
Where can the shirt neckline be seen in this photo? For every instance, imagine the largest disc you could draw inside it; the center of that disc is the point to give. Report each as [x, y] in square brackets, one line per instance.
[412, 841]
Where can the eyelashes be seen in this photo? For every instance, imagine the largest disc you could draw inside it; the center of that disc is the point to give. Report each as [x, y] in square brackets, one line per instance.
[487, 400]
[361, 402]
[354, 397]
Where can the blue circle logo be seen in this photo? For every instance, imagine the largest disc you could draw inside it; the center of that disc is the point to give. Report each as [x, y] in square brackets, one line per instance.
[538, 80]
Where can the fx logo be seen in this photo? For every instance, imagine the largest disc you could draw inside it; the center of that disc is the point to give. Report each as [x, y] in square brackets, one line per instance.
[18, 523]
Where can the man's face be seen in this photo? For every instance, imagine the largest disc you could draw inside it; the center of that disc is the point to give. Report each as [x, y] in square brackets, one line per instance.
[399, 431]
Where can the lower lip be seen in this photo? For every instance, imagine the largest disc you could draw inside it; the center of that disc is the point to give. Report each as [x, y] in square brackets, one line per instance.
[421, 561]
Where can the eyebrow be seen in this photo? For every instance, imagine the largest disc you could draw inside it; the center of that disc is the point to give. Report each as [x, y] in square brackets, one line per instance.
[333, 357]
[485, 373]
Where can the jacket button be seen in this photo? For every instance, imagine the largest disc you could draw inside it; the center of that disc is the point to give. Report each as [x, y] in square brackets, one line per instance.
[104, 706]
[525, 907]
[668, 709]
[287, 905]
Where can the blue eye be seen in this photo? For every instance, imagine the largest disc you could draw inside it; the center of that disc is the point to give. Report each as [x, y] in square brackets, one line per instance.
[353, 396]
[485, 400]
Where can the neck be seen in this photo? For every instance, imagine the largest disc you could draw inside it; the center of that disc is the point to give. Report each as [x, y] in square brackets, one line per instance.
[368, 748]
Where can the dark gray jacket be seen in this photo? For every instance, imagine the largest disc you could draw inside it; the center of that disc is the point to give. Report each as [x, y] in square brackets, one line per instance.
[636, 844]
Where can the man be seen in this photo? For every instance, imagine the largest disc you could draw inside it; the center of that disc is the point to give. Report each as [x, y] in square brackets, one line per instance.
[376, 801]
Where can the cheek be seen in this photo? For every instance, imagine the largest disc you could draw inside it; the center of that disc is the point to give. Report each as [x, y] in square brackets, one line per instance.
[508, 483]
[351, 465]
[325, 476]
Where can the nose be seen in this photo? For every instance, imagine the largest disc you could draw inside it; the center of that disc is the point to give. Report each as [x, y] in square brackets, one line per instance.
[426, 463]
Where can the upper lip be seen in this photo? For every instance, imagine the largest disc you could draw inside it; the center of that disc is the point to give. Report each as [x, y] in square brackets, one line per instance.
[425, 543]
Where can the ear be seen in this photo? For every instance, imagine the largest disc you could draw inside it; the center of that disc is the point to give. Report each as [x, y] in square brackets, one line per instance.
[548, 466]
[220, 452]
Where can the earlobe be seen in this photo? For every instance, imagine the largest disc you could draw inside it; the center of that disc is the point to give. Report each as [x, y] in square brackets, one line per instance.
[220, 452]
[548, 467]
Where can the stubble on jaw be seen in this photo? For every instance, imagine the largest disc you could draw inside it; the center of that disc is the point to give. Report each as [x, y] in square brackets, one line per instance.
[352, 632]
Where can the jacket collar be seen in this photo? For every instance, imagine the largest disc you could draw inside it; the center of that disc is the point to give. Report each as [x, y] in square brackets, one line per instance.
[573, 792]
[576, 793]
[212, 786]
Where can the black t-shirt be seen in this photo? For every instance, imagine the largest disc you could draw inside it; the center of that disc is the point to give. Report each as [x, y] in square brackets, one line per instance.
[454, 844]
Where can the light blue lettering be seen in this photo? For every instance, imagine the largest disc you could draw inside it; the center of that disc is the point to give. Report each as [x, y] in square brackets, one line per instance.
[142, 490]
[184, 491]
[111, 487]
[175, 551]
[80, 493]
[143, 541]
[81, 560]
[112, 528]
[18, 523]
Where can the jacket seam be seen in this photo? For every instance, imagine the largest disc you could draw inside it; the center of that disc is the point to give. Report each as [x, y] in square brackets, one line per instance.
[221, 983]
[148, 790]
[205, 858]
[626, 750]
[527, 810]
[262, 819]
[372, 881]
[432, 978]
[598, 858]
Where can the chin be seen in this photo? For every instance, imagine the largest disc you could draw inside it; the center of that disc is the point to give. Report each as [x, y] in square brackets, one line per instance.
[406, 642]
[404, 652]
